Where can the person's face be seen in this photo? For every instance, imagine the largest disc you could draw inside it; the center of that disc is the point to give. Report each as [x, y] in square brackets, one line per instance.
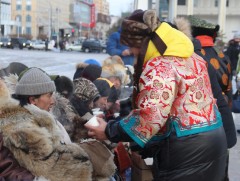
[91, 105]
[109, 105]
[44, 102]
[237, 40]
[116, 82]
[101, 103]
[135, 51]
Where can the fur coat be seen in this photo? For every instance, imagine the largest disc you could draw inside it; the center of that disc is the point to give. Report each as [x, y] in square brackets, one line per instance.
[34, 138]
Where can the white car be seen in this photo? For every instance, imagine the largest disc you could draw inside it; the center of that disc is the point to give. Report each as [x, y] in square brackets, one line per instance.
[74, 47]
[38, 45]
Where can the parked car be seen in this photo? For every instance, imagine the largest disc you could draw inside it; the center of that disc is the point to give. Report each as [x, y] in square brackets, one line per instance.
[93, 45]
[19, 42]
[73, 47]
[38, 45]
[29, 44]
[6, 42]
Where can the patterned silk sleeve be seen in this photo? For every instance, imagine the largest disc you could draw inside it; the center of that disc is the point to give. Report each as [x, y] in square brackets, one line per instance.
[158, 88]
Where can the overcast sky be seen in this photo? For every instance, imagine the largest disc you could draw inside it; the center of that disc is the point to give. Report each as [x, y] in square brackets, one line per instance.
[118, 6]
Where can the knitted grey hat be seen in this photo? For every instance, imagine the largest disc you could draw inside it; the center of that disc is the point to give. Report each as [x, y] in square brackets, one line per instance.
[34, 82]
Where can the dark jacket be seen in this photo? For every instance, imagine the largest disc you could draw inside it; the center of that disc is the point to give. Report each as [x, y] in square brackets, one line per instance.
[222, 66]
[228, 123]
[233, 52]
[9, 168]
[114, 47]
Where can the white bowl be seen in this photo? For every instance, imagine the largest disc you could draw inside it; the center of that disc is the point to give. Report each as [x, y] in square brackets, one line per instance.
[96, 109]
[93, 121]
[97, 113]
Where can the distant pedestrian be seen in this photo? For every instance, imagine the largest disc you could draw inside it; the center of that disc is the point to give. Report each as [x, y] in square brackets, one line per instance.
[114, 47]
[61, 45]
[232, 52]
[46, 44]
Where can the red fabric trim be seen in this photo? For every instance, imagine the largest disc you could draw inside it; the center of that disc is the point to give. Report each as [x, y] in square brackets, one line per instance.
[206, 41]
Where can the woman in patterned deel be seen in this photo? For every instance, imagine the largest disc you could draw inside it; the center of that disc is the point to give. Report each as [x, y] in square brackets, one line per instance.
[175, 119]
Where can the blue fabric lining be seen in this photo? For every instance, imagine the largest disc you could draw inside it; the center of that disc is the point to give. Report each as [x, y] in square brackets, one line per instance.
[129, 124]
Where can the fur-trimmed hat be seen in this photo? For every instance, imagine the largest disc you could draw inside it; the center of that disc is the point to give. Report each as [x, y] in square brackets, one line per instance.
[183, 25]
[34, 82]
[13, 68]
[63, 84]
[113, 60]
[92, 72]
[85, 89]
[88, 71]
[139, 25]
[114, 67]
[79, 68]
[202, 27]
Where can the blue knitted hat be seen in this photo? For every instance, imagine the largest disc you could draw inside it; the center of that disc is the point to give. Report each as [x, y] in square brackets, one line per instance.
[92, 61]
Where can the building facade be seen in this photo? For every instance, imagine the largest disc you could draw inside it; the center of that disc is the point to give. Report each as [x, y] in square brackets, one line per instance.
[36, 18]
[102, 6]
[5, 18]
[103, 20]
[82, 18]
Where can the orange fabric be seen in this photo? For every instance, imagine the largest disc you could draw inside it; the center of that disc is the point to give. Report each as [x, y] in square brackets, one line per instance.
[206, 41]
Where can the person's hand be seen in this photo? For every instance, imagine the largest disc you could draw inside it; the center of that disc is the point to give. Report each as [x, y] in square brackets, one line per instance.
[126, 52]
[98, 132]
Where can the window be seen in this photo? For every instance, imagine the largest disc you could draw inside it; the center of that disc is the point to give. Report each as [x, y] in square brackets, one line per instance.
[28, 30]
[28, 18]
[19, 7]
[18, 30]
[28, 7]
[216, 3]
[182, 2]
[18, 18]
[195, 3]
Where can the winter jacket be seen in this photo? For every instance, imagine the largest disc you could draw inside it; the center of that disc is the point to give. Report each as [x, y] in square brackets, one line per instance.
[232, 52]
[220, 62]
[114, 47]
[37, 143]
[173, 86]
[100, 157]
[9, 167]
[227, 118]
[176, 87]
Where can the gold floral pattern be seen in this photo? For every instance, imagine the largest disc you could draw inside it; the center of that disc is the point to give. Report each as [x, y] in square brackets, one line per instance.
[181, 91]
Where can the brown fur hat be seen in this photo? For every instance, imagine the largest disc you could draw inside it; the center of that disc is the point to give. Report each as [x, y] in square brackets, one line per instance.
[139, 25]
[184, 26]
[113, 66]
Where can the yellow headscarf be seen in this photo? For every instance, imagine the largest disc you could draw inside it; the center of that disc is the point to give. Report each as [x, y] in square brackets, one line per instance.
[178, 44]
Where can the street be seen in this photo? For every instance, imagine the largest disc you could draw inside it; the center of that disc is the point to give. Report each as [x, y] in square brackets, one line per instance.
[54, 63]
[64, 64]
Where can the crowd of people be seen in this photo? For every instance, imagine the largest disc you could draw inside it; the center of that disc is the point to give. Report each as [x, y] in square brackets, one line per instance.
[178, 109]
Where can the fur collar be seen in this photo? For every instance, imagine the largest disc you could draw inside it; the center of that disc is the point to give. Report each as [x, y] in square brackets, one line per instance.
[34, 138]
